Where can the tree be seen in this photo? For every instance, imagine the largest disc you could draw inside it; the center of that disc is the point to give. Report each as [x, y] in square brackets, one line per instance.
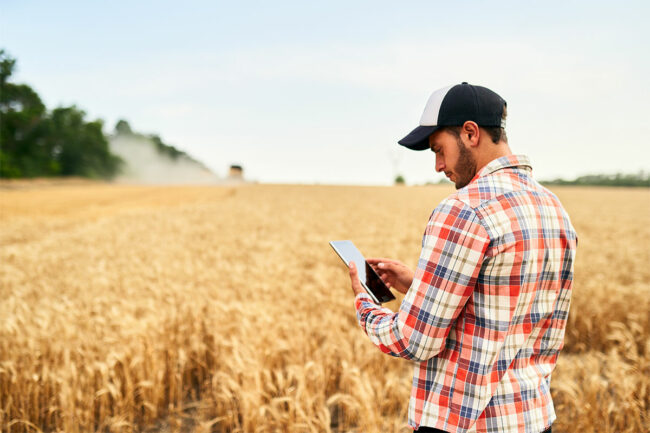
[35, 143]
[399, 180]
[123, 127]
[7, 65]
[79, 147]
[22, 150]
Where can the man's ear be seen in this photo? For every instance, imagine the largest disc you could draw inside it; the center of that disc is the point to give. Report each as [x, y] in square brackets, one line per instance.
[471, 132]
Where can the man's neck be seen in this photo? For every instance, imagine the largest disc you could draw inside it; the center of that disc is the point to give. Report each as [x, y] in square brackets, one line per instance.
[490, 152]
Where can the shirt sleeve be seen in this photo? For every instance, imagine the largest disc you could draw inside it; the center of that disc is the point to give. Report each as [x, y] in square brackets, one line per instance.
[453, 249]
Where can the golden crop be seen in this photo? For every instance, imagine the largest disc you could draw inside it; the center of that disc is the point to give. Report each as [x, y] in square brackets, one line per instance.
[221, 309]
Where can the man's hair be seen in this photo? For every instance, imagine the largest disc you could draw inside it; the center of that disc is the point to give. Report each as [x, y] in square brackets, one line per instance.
[496, 133]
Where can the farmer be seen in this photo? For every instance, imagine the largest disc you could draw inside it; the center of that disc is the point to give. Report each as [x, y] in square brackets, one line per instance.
[484, 312]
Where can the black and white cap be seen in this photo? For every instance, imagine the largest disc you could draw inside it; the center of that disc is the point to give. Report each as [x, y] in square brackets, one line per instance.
[453, 106]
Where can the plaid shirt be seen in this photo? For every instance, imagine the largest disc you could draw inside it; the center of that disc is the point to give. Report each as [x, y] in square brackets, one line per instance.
[484, 319]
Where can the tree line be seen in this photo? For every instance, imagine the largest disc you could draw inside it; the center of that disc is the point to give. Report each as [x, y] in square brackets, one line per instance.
[35, 142]
[641, 179]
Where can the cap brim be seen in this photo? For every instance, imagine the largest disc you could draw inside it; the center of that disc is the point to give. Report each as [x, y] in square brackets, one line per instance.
[418, 139]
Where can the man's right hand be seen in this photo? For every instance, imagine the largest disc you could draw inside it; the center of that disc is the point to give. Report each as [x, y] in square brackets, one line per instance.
[394, 273]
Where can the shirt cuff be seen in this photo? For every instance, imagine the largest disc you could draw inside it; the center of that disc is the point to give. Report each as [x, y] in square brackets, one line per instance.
[362, 297]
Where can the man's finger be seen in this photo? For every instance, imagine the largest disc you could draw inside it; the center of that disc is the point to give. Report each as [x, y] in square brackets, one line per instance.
[353, 270]
[354, 279]
[377, 260]
[387, 267]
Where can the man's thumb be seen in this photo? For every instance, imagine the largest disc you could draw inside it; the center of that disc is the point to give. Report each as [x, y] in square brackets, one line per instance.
[385, 266]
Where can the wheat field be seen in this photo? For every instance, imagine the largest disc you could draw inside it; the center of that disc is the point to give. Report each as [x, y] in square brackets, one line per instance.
[223, 309]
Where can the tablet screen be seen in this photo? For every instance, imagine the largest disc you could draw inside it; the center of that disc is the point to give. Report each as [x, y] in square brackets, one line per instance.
[375, 287]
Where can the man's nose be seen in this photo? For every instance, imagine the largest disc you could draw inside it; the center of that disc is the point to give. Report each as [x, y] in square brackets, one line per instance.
[440, 164]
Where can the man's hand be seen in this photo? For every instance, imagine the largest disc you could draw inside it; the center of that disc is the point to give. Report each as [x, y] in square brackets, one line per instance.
[395, 274]
[354, 279]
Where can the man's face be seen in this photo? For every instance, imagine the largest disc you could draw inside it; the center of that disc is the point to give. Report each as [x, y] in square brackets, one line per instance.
[453, 158]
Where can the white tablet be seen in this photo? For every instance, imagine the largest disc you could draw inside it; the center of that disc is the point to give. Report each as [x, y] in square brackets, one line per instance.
[369, 279]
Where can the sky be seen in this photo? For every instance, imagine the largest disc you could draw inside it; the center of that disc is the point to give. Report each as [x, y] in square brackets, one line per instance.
[320, 92]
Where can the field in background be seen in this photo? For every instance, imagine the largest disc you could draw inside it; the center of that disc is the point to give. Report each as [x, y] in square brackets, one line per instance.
[198, 309]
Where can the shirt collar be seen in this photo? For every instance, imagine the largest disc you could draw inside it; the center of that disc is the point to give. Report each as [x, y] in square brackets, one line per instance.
[518, 161]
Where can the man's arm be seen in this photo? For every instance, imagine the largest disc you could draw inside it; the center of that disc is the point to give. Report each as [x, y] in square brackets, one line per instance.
[453, 249]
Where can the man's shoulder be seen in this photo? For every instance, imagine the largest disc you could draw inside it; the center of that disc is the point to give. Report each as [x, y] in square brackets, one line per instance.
[478, 192]
[496, 186]
[454, 213]
[509, 195]
[454, 203]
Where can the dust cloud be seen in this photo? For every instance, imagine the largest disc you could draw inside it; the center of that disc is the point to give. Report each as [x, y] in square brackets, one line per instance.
[144, 164]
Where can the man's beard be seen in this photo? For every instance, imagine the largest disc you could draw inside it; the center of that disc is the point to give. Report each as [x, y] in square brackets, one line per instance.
[466, 166]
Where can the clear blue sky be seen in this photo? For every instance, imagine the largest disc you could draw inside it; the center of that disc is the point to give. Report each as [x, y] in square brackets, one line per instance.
[320, 92]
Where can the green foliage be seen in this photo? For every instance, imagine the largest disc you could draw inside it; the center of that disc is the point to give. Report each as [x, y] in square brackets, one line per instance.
[35, 143]
[7, 65]
[79, 147]
[123, 127]
[640, 179]
[399, 180]
[165, 149]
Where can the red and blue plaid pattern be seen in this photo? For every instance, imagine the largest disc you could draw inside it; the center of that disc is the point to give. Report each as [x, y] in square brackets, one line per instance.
[484, 319]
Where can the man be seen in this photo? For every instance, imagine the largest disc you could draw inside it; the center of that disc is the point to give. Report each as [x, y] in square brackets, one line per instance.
[485, 311]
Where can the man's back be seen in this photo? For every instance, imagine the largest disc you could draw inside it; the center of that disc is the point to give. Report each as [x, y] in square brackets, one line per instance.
[487, 310]
[523, 292]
